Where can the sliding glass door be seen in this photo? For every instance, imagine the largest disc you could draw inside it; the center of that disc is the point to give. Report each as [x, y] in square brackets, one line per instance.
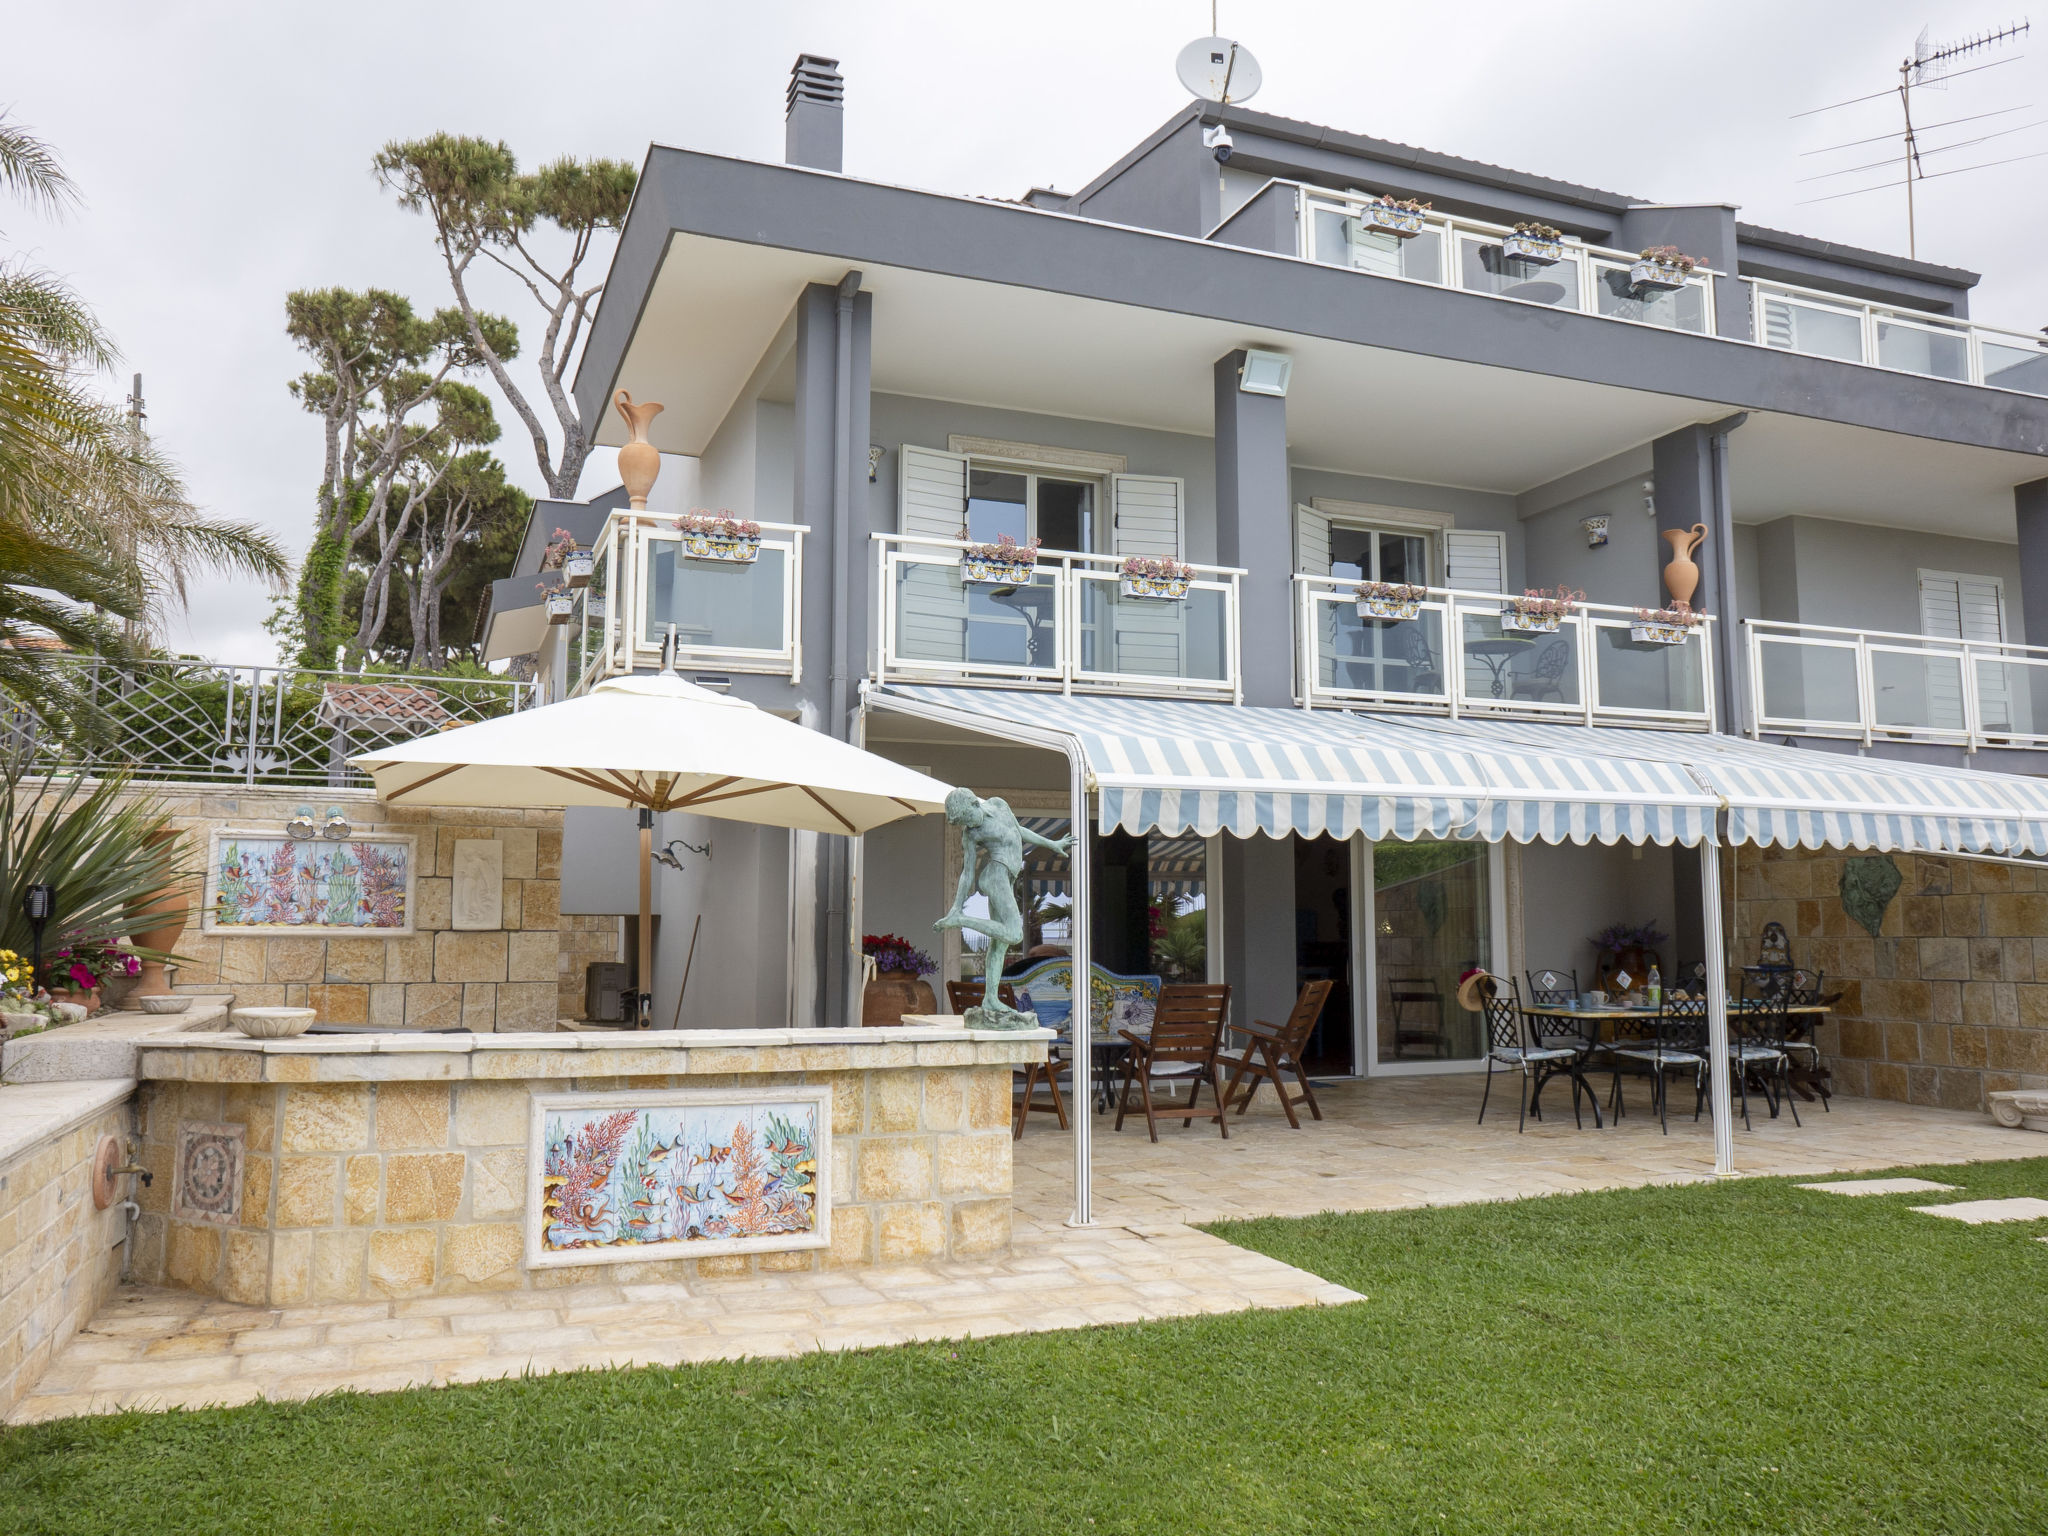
[1436, 910]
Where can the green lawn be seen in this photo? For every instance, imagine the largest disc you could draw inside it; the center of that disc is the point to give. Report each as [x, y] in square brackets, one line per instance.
[1746, 1357]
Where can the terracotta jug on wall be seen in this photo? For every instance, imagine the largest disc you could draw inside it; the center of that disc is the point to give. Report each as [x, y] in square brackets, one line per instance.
[1682, 575]
[639, 460]
[157, 922]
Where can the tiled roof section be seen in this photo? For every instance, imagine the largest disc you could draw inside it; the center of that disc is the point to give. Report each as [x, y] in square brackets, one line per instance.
[382, 704]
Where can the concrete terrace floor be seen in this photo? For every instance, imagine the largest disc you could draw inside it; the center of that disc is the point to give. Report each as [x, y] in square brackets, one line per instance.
[1386, 1145]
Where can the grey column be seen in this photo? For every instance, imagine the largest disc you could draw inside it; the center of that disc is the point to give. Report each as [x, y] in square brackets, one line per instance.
[1258, 927]
[2030, 511]
[1255, 529]
[1690, 468]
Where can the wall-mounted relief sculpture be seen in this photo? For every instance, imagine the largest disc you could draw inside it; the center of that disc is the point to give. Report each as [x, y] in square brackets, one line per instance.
[478, 901]
[208, 1173]
[618, 1178]
[260, 881]
[1868, 886]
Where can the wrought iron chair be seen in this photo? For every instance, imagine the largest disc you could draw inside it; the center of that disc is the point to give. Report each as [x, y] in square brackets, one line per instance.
[1579, 1037]
[1424, 675]
[1507, 1048]
[1271, 1051]
[1756, 1044]
[1553, 988]
[1678, 1041]
[1808, 1076]
[1544, 680]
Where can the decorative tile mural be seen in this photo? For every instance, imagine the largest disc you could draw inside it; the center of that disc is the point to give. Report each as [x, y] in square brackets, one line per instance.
[683, 1173]
[260, 881]
[209, 1173]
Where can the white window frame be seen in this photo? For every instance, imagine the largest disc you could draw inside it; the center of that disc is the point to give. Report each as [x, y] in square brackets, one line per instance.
[1036, 470]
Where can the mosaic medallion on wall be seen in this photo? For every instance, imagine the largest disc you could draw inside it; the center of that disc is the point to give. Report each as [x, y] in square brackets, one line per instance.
[1868, 886]
[209, 1173]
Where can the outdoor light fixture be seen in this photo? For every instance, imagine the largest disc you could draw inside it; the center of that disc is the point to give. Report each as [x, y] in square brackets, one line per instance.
[1265, 373]
[1596, 531]
[301, 826]
[38, 905]
[337, 827]
[1650, 497]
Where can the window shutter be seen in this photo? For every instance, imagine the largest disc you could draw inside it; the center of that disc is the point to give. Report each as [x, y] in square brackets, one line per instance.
[1956, 607]
[1475, 560]
[931, 492]
[1311, 542]
[1147, 515]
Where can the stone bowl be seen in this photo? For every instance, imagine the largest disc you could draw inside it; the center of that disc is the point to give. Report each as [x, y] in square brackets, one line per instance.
[273, 1023]
[163, 1002]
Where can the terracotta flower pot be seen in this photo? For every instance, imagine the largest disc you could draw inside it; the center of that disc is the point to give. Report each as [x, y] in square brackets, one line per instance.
[89, 1001]
[892, 994]
[639, 460]
[1682, 575]
[158, 923]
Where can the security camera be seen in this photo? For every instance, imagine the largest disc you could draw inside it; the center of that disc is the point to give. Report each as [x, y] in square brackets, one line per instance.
[1217, 139]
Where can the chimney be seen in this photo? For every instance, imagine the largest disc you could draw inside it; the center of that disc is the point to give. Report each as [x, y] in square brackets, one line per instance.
[814, 130]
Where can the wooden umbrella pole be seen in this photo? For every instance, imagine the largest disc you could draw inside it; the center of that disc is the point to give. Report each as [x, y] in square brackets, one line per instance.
[645, 1005]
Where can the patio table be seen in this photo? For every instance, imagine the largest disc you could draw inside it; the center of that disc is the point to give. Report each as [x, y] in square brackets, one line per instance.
[1496, 654]
[1809, 1013]
[1106, 1053]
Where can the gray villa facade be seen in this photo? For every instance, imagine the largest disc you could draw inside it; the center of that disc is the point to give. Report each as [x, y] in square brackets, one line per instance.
[1266, 368]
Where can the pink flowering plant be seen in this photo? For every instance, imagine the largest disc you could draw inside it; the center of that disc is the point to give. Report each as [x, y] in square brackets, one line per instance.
[1156, 568]
[1005, 551]
[1391, 592]
[1679, 615]
[89, 964]
[1542, 603]
[1670, 256]
[717, 525]
[561, 544]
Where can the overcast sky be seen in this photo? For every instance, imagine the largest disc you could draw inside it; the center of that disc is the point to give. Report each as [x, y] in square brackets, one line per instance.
[224, 150]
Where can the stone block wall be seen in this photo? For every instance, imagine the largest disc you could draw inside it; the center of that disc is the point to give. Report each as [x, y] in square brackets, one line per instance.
[522, 976]
[1947, 1002]
[403, 1182]
[59, 1257]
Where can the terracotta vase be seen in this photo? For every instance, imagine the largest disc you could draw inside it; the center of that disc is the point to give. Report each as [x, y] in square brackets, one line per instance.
[1682, 575]
[158, 923]
[892, 994]
[89, 1001]
[639, 460]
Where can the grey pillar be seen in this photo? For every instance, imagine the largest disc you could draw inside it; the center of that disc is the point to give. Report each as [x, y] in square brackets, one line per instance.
[1254, 519]
[1690, 468]
[1705, 230]
[833, 347]
[1258, 923]
[2030, 511]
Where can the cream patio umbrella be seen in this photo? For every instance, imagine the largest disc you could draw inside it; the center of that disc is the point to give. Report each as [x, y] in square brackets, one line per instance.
[658, 743]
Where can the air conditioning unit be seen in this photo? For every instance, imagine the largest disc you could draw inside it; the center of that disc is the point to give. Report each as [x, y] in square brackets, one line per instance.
[606, 984]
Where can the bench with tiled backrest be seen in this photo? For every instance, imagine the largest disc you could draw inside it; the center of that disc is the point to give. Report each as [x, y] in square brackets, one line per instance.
[1046, 988]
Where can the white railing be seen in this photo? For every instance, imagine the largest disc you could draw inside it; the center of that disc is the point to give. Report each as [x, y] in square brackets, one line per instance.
[1819, 324]
[1453, 657]
[1873, 685]
[1071, 627]
[737, 618]
[1461, 253]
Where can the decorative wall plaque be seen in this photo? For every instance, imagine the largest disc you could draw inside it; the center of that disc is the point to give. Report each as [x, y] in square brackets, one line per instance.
[209, 1173]
[1868, 886]
[260, 881]
[479, 899]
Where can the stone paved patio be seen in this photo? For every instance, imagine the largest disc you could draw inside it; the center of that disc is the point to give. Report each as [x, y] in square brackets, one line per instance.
[1387, 1144]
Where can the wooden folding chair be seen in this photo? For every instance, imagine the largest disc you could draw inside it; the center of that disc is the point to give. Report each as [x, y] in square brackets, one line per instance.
[963, 995]
[1274, 1049]
[1184, 1046]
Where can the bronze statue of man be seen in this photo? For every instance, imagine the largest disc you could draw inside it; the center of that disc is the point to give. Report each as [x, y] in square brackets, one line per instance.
[991, 859]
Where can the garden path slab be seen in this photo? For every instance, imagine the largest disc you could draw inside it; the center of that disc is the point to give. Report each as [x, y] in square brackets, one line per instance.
[1976, 1212]
[1880, 1187]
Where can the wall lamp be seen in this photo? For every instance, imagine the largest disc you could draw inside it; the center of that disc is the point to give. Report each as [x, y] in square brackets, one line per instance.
[1265, 373]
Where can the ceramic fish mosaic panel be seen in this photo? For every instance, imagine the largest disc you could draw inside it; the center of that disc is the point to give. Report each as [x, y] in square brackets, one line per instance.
[673, 1175]
[280, 882]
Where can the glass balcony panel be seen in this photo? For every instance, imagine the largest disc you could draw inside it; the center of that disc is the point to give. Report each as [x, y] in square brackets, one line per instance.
[941, 618]
[1482, 269]
[2012, 696]
[715, 603]
[1340, 241]
[2011, 367]
[1153, 637]
[1808, 328]
[1517, 668]
[1917, 349]
[1803, 681]
[1915, 691]
[1401, 656]
[1636, 674]
[1676, 309]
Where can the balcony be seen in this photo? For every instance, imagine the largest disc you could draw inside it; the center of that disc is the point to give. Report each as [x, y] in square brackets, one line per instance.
[1817, 324]
[1453, 658]
[1449, 252]
[735, 617]
[1874, 686]
[1069, 628]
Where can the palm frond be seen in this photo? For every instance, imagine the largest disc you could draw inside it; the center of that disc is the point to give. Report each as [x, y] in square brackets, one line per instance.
[31, 172]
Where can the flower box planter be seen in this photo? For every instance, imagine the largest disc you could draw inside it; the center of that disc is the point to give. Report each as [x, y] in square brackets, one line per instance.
[1390, 610]
[980, 571]
[1532, 250]
[1516, 621]
[723, 548]
[1657, 276]
[577, 567]
[1170, 589]
[1401, 223]
[561, 607]
[1650, 631]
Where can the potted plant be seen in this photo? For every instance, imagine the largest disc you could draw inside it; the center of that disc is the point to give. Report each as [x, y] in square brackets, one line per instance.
[1005, 563]
[83, 967]
[1628, 947]
[1401, 217]
[1535, 245]
[577, 567]
[1539, 612]
[1665, 626]
[560, 602]
[1155, 576]
[561, 554]
[899, 986]
[1661, 267]
[719, 536]
[1390, 601]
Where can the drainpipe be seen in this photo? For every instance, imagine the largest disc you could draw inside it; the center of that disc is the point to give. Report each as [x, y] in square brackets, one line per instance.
[1734, 695]
[837, 1003]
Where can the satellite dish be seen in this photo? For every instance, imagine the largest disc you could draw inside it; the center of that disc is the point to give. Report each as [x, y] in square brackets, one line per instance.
[1216, 69]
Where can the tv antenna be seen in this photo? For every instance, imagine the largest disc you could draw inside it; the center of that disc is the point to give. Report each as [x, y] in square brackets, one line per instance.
[1930, 66]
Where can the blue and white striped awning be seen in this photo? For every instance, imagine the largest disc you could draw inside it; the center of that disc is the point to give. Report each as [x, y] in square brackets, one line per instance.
[1179, 766]
[1798, 797]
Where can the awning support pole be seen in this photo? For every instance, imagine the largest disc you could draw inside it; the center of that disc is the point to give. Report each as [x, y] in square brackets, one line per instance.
[1081, 1025]
[1721, 1083]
